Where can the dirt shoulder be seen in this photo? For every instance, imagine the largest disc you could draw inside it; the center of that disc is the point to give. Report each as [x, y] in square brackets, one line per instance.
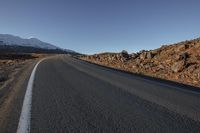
[176, 62]
[15, 73]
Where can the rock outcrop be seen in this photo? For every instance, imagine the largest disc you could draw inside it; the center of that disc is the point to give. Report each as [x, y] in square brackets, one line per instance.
[177, 62]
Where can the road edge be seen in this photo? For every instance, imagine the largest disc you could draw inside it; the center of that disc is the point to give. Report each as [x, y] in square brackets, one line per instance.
[24, 120]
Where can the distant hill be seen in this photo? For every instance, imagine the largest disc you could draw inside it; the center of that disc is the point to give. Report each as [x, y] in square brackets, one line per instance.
[11, 43]
[4, 49]
[32, 42]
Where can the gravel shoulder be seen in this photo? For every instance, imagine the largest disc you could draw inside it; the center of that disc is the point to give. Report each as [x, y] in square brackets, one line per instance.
[12, 91]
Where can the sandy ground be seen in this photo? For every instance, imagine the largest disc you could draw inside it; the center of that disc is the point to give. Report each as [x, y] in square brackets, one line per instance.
[12, 90]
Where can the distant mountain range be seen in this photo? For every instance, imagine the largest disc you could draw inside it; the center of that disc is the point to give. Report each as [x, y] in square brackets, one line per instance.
[7, 39]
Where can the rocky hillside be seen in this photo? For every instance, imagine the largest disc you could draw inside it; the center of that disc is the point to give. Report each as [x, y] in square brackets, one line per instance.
[177, 62]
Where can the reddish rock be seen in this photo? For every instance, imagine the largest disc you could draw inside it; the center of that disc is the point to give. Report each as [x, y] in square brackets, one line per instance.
[178, 62]
[178, 66]
[134, 55]
[150, 55]
[143, 55]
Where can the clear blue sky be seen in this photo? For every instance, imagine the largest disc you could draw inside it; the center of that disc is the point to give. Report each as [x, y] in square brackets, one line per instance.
[93, 26]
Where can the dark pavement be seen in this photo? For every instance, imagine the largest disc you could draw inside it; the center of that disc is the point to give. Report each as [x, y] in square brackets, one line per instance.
[75, 96]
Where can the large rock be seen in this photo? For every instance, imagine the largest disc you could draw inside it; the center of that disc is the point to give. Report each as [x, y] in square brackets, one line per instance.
[150, 55]
[178, 66]
[134, 55]
[125, 55]
[161, 66]
[184, 56]
[143, 55]
[149, 65]
[96, 57]
[138, 61]
[182, 47]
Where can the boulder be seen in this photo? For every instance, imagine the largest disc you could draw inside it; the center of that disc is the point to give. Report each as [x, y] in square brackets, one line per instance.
[134, 66]
[161, 66]
[134, 55]
[182, 47]
[109, 58]
[141, 51]
[156, 56]
[143, 55]
[150, 55]
[156, 51]
[178, 66]
[125, 55]
[184, 56]
[149, 65]
[138, 61]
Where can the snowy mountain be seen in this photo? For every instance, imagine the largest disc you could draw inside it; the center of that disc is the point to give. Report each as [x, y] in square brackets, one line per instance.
[7, 39]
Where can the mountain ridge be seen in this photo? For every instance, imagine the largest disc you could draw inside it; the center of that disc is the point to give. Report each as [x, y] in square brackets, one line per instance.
[8, 39]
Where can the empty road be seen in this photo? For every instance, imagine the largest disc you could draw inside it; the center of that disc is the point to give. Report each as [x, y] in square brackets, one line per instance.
[74, 96]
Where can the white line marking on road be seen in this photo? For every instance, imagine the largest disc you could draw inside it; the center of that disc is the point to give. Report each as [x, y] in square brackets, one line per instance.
[24, 121]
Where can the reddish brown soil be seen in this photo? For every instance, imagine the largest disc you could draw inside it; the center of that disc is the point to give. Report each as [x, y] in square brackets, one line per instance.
[177, 62]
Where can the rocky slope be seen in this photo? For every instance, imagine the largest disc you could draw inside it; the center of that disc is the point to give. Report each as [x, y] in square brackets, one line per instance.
[177, 62]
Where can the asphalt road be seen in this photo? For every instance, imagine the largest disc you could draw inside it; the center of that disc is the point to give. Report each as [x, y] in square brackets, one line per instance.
[75, 96]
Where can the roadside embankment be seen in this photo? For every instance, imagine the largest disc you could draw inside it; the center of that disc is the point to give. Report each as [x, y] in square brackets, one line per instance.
[176, 62]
